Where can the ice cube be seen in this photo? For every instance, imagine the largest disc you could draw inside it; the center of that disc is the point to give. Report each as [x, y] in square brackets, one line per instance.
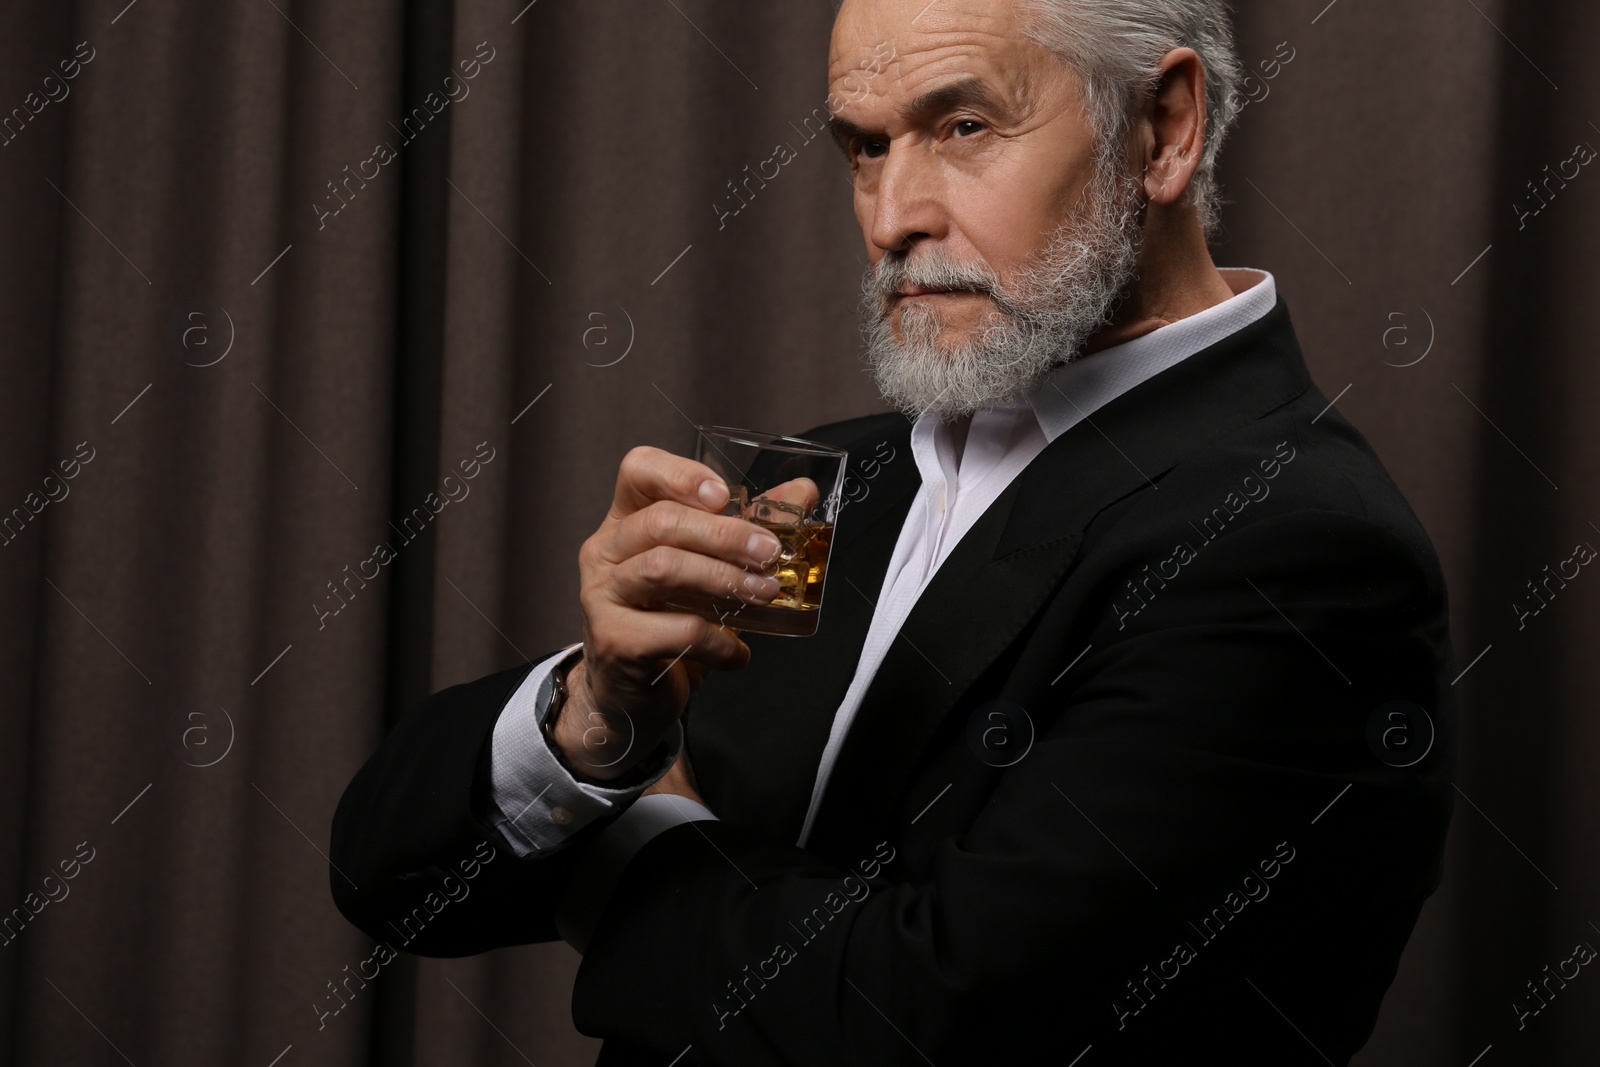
[792, 575]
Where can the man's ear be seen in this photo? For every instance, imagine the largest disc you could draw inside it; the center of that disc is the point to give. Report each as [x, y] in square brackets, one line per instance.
[1173, 127]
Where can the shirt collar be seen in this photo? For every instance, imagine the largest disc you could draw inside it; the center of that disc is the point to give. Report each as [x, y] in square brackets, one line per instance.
[1073, 391]
[1077, 389]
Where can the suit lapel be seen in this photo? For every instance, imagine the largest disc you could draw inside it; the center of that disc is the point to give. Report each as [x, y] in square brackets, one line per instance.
[1011, 561]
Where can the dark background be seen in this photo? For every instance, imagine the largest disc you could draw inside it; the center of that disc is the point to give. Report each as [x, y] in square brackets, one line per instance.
[559, 216]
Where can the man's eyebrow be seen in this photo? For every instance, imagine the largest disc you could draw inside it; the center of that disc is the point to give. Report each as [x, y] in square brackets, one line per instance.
[970, 91]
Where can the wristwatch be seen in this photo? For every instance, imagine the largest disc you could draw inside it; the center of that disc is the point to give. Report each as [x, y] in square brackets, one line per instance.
[548, 701]
[550, 698]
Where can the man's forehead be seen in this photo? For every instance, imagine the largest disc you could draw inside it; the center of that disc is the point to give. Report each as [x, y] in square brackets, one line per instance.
[909, 29]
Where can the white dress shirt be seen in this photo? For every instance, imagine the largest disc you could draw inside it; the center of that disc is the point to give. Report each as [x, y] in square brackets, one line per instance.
[960, 480]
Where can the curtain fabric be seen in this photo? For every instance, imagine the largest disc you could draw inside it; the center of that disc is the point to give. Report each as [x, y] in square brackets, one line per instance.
[328, 324]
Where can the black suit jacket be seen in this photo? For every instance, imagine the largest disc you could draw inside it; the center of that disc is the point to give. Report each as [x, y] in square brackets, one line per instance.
[1159, 766]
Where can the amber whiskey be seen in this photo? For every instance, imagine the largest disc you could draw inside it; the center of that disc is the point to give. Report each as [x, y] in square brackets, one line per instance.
[802, 562]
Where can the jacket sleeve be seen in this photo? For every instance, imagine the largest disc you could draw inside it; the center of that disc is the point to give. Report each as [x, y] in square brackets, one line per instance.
[1193, 747]
[415, 860]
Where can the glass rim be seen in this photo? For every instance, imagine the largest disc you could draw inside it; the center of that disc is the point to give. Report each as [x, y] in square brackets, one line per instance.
[779, 442]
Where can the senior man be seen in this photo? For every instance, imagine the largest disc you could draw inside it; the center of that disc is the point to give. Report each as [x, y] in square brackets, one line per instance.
[1132, 741]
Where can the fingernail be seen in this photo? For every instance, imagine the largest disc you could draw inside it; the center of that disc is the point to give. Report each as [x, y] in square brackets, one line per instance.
[761, 586]
[763, 547]
[713, 493]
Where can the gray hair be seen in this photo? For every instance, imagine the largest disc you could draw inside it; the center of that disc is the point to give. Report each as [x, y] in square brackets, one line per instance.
[1116, 47]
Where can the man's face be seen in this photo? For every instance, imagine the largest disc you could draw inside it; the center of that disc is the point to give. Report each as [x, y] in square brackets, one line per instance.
[996, 244]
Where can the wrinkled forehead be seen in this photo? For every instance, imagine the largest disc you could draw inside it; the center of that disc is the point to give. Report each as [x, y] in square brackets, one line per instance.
[907, 43]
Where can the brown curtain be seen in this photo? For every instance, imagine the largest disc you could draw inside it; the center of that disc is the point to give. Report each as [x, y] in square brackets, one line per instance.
[220, 396]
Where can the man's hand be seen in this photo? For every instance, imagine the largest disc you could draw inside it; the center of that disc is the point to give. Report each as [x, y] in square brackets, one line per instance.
[663, 540]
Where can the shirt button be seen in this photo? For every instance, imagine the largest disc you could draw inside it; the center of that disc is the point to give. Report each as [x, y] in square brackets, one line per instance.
[560, 816]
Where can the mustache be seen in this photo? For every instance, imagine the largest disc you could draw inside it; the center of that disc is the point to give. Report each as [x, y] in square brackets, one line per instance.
[897, 271]
[934, 270]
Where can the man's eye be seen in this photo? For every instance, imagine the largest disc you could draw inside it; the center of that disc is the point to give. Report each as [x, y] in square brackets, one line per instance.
[872, 149]
[967, 127]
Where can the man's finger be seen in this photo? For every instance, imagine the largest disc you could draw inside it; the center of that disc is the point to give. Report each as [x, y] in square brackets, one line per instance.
[801, 492]
[649, 474]
[675, 525]
[648, 580]
[655, 637]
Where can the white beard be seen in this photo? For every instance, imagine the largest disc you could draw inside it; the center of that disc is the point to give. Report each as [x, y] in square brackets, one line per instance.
[1058, 299]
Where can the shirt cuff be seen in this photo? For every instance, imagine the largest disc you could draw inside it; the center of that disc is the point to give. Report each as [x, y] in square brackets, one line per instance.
[536, 803]
[601, 864]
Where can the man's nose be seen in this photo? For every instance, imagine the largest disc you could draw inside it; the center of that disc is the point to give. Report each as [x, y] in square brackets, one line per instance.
[909, 205]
